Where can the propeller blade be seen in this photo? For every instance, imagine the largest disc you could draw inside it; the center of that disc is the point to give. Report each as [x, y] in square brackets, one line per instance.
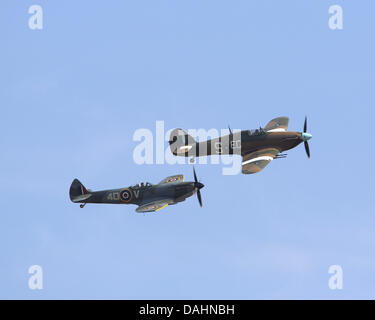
[305, 125]
[307, 149]
[199, 198]
[197, 187]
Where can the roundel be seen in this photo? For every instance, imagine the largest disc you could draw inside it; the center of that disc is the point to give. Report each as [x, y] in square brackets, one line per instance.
[126, 195]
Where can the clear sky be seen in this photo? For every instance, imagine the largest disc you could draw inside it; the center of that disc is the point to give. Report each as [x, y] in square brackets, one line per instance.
[73, 94]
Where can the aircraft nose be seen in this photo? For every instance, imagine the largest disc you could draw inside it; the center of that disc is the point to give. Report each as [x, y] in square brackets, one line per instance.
[306, 136]
[199, 185]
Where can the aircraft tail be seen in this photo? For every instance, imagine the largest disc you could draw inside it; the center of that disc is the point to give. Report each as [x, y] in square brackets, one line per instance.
[180, 143]
[78, 192]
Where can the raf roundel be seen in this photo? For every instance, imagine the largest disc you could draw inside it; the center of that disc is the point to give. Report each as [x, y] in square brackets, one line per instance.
[126, 195]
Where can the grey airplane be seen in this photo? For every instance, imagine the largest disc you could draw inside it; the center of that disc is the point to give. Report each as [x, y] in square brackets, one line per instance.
[149, 197]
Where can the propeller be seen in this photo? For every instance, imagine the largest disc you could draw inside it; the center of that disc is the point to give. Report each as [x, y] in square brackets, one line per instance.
[197, 187]
[305, 137]
[307, 149]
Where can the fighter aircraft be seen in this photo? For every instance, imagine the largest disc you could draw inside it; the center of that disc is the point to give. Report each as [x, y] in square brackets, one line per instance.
[149, 197]
[257, 147]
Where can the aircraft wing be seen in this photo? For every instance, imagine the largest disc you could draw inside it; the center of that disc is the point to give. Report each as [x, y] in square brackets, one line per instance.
[154, 206]
[277, 125]
[258, 160]
[177, 178]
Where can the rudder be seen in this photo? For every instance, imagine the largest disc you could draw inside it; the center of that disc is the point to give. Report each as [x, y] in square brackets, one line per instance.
[180, 142]
[77, 189]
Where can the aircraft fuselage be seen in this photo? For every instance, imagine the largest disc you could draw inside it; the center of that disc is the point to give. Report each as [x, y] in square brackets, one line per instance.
[245, 142]
[177, 192]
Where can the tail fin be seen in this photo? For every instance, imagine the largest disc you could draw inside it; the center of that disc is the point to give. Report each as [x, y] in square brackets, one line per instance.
[78, 192]
[180, 142]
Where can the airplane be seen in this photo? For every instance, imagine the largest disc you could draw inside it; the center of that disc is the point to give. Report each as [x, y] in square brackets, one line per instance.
[149, 197]
[257, 147]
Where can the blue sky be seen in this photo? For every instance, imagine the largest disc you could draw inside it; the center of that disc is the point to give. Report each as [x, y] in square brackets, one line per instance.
[74, 93]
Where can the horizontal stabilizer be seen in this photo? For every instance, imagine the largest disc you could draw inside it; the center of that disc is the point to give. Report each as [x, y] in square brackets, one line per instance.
[81, 198]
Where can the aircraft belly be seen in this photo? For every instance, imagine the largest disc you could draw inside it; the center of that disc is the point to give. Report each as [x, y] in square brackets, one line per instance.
[157, 194]
[183, 197]
[251, 146]
[276, 140]
[289, 144]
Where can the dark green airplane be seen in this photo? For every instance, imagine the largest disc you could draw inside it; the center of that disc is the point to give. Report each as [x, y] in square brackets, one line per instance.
[257, 147]
[149, 197]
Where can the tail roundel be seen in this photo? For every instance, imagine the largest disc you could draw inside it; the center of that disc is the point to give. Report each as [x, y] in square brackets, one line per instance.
[78, 192]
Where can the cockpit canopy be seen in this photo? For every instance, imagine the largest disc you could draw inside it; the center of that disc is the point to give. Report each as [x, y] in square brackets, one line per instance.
[142, 185]
[256, 132]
